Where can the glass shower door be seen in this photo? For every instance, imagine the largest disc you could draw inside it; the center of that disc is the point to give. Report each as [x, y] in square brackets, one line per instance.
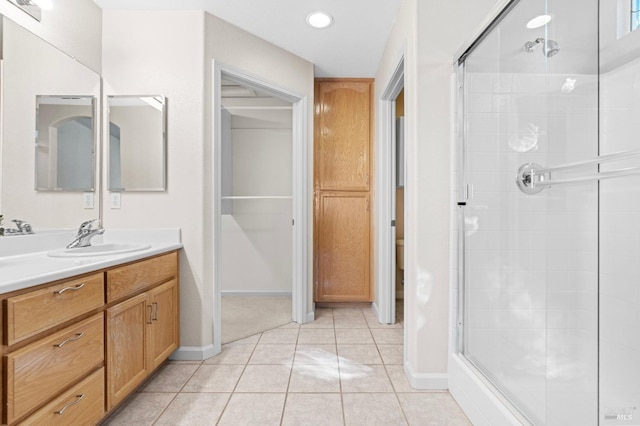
[530, 304]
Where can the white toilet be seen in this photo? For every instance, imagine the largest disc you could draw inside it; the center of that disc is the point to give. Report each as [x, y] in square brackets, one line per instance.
[400, 253]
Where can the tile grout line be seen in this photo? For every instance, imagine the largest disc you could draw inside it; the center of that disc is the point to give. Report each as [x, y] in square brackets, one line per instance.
[176, 394]
[335, 338]
[238, 381]
[286, 392]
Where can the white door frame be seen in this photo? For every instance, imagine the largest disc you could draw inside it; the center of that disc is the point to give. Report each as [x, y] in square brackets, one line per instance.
[385, 161]
[300, 287]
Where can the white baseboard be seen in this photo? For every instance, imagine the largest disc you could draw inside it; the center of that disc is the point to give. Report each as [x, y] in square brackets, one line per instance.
[426, 381]
[479, 403]
[374, 306]
[311, 316]
[193, 353]
[257, 293]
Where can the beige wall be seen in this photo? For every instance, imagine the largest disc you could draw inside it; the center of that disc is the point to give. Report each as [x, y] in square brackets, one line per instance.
[232, 47]
[161, 53]
[170, 53]
[429, 33]
[74, 26]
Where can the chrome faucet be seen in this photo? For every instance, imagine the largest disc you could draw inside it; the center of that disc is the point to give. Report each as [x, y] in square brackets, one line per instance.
[22, 228]
[85, 233]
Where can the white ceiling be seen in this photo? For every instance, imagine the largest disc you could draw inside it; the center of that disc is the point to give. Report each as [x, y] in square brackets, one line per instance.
[351, 47]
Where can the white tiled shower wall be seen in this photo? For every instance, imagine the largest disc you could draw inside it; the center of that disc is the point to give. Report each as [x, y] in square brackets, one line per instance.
[620, 250]
[532, 259]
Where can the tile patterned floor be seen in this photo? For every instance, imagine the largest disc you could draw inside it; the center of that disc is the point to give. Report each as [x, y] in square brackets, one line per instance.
[342, 369]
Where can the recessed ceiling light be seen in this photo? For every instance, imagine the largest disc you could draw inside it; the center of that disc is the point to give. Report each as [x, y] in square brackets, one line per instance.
[319, 19]
[539, 21]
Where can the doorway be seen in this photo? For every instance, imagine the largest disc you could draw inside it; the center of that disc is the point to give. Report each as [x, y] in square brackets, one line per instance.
[260, 201]
[391, 218]
[256, 244]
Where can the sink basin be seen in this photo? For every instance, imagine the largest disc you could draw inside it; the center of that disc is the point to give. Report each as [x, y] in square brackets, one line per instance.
[98, 250]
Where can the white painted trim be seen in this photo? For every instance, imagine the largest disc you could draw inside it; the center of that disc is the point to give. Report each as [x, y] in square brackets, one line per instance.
[299, 289]
[301, 190]
[311, 316]
[217, 203]
[256, 293]
[194, 353]
[426, 381]
[385, 190]
[477, 401]
[374, 306]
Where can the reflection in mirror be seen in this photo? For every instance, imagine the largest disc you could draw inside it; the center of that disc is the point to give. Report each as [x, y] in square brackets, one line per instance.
[137, 143]
[32, 67]
[30, 7]
[65, 143]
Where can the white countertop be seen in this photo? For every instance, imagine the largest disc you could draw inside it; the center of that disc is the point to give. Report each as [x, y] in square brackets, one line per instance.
[24, 261]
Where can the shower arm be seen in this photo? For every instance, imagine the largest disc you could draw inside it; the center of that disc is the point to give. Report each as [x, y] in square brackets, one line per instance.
[533, 178]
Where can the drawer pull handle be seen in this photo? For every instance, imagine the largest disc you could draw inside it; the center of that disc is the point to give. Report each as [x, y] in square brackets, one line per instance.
[155, 317]
[150, 314]
[74, 288]
[70, 339]
[71, 404]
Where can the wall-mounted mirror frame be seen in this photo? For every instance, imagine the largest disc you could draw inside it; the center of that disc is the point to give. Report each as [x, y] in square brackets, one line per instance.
[136, 143]
[65, 143]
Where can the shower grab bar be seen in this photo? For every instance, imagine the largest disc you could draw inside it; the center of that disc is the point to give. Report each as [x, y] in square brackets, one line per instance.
[533, 178]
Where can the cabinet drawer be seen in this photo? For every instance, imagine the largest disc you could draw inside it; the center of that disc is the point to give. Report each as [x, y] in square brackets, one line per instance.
[33, 312]
[129, 279]
[40, 370]
[83, 404]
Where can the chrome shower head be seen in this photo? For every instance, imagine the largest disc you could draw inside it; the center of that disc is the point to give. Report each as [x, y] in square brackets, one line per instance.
[549, 47]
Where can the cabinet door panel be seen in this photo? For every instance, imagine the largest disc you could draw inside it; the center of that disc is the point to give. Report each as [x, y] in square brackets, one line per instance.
[343, 245]
[163, 330]
[343, 135]
[126, 349]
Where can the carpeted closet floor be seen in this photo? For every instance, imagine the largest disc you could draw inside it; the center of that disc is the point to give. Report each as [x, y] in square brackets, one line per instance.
[244, 316]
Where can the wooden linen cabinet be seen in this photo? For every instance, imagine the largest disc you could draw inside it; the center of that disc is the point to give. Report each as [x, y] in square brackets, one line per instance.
[342, 190]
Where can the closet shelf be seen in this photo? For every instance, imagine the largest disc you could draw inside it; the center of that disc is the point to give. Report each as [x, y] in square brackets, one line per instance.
[257, 107]
[258, 197]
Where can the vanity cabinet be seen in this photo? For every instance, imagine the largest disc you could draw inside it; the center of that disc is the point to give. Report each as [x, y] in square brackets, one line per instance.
[73, 349]
[142, 331]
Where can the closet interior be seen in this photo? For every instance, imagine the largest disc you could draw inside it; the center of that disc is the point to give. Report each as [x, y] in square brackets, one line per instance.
[256, 228]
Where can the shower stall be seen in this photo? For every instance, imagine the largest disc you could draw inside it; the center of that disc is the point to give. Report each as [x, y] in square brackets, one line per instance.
[548, 212]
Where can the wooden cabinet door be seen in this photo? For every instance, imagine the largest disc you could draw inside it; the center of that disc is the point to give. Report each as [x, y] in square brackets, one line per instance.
[126, 348]
[343, 247]
[343, 135]
[163, 331]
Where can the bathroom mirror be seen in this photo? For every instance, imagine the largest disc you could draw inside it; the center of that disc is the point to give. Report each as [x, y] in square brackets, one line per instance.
[65, 146]
[34, 75]
[137, 143]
